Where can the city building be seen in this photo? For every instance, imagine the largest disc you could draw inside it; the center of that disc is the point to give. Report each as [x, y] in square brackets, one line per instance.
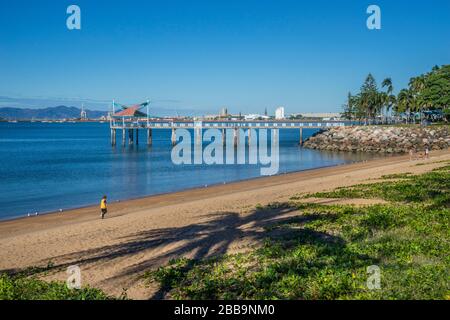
[224, 112]
[83, 115]
[255, 117]
[279, 113]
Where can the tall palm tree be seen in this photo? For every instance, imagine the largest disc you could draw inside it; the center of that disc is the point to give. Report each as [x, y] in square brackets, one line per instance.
[388, 97]
[405, 102]
[379, 100]
[392, 102]
[416, 86]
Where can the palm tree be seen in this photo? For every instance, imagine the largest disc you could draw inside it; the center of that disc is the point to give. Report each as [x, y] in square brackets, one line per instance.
[364, 106]
[379, 101]
[392, 102]
[388, 98]
[416, 86]
[405, 101]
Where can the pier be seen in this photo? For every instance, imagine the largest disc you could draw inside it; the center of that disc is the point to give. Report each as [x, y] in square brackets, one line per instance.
[130, 120]
[132, 127]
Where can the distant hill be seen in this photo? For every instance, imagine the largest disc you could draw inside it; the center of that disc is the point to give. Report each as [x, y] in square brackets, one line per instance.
[52, 113]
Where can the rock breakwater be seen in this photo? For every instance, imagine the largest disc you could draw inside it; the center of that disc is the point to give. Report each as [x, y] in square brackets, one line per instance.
[381, 139]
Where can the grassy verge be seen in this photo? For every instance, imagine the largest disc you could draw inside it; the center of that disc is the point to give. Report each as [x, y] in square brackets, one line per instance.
[26, 286]
[431, 188]
[324, 251]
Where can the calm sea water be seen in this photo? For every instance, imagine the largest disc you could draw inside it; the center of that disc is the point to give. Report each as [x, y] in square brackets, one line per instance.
[48, 166]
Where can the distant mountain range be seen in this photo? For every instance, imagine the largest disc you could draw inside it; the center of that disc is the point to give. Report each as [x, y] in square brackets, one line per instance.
[52, 113]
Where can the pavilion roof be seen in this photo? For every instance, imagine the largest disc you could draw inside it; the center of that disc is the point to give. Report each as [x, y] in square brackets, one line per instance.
[132, 111]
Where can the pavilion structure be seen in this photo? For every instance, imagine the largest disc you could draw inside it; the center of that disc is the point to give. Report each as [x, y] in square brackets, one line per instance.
[130, 115]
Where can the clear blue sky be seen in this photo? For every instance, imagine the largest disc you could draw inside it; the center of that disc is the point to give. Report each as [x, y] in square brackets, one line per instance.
[246, 54]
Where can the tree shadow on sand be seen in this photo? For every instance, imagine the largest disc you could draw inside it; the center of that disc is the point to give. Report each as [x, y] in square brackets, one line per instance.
[197, 241]
[201, 240]
[263, 274]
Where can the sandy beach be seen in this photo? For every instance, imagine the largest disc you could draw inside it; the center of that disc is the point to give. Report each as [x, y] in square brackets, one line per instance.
[142, 234]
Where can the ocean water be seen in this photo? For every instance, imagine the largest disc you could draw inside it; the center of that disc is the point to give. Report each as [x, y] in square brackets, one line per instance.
[50, 166]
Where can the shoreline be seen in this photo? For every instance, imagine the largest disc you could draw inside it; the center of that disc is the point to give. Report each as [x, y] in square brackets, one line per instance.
[142, 234]
[88, 212]
[81, 210]
[93, 205]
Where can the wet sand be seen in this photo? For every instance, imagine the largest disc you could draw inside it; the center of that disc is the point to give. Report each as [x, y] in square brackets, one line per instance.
[142, 234]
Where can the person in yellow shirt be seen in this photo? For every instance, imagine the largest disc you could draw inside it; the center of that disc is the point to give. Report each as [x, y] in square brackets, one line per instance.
[103, 207]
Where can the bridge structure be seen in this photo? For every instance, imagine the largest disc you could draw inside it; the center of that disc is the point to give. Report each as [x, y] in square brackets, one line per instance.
[130, 120]
[148, 125]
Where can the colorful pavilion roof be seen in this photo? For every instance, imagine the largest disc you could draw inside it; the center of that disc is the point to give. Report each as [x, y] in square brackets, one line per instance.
[132, 111]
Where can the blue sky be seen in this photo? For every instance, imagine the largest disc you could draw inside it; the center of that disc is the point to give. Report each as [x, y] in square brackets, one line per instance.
[202, 55]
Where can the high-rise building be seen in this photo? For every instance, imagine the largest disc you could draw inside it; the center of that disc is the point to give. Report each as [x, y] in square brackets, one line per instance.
[279, 113]
[224, 112]
[83, 115]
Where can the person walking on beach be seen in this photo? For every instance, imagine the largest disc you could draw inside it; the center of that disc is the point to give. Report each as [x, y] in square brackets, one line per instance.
[427, 153]
[103, 207]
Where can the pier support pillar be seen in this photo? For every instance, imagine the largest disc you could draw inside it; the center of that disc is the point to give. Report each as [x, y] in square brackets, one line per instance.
[198, 136]
[249, 136]
[149, 137]
[235, 136]
[113, 137]
[137, 136]
[123, 137]
[224, 138]
[130, 137]
[301, 137]
[174, 136]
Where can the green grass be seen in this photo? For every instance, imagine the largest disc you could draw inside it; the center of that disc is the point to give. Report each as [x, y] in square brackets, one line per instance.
[324, 252]
[25, 285]
[433, 188]
[22, 287]
[397, 176]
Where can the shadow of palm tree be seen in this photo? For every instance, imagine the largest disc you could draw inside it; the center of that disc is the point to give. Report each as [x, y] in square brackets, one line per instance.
[212, 237]
[199, 241]
[283, 238]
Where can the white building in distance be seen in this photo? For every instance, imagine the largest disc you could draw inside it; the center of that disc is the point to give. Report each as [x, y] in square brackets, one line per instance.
[224, 112]
[83, 115]
[279, 113]
[255, 117]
